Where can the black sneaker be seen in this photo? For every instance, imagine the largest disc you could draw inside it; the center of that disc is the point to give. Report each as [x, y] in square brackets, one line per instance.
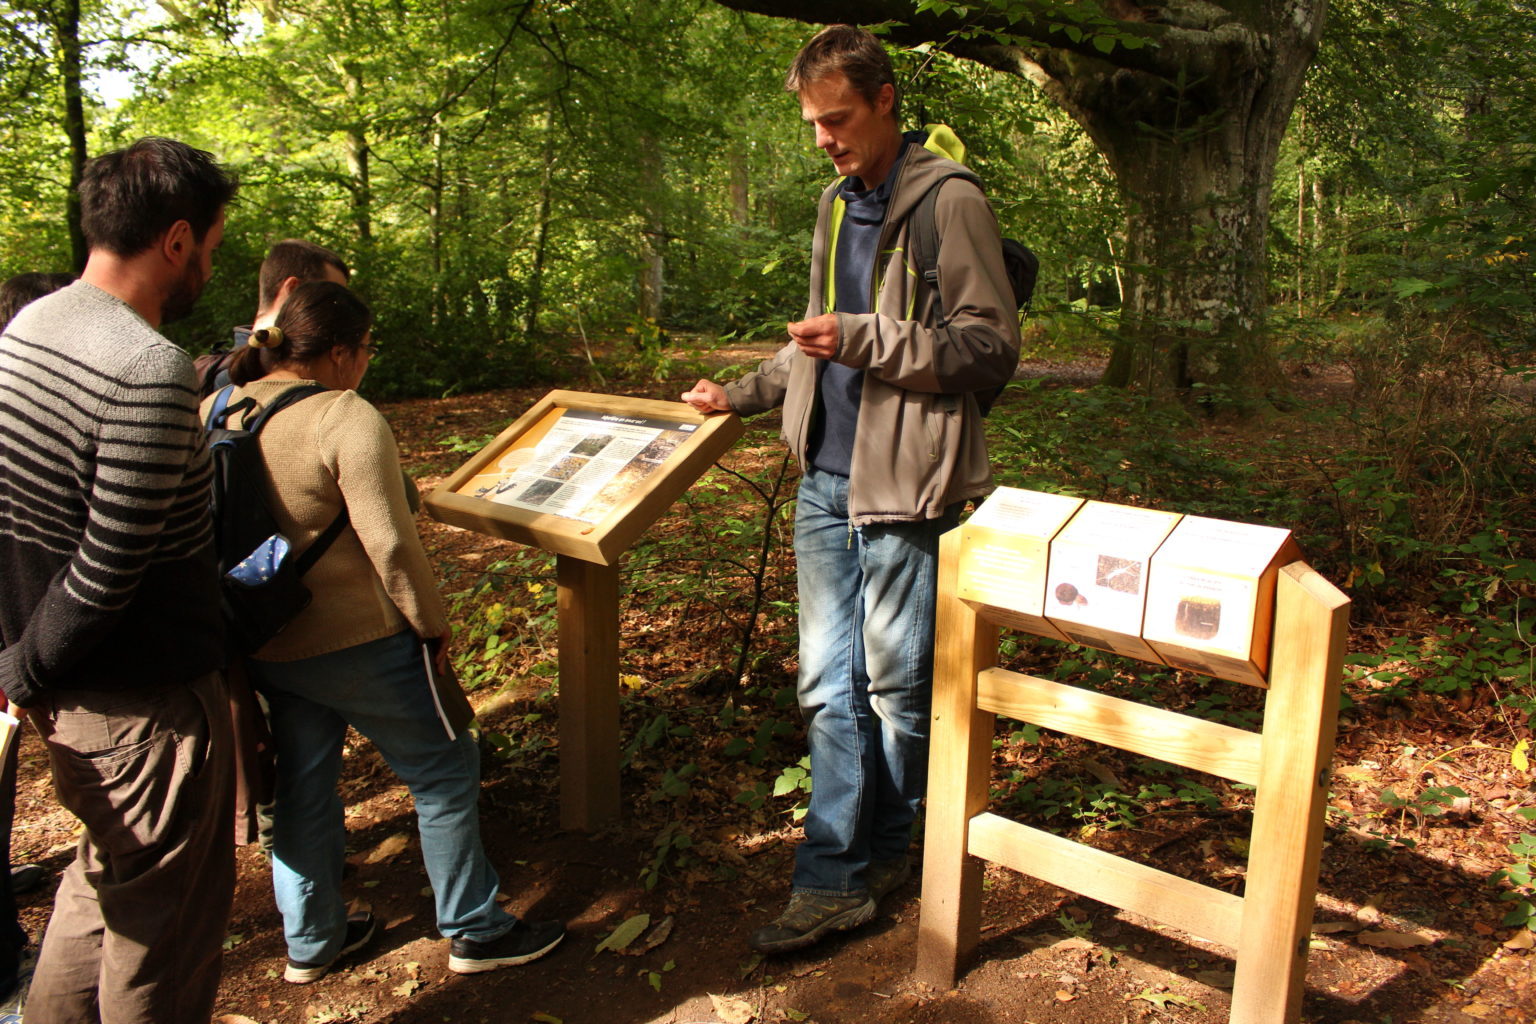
[360, 928]
[525, 942]
[26, 877]
[808, 917]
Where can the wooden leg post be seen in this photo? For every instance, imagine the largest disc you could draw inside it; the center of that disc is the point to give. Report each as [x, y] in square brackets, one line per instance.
[589, 693]
[1300, 716]
[959, 771]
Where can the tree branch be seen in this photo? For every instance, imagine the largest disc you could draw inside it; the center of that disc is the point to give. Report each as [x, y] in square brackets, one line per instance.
[1191, 37]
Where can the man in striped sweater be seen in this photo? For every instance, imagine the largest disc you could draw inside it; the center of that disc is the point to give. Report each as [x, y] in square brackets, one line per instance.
[110, 611]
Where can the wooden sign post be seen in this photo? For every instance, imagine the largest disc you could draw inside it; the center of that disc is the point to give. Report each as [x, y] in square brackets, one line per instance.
[583, 476]
[1287, 763]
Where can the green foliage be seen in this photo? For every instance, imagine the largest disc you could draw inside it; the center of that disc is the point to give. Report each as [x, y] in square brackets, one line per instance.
[1520, 877]
[673, 847]
[503, 613]
[1113, 445]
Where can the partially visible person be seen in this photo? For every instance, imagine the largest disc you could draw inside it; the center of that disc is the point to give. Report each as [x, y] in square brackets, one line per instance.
[15, 293]
[289, 263]
[22, 289]
[355, 655]
[109, 614]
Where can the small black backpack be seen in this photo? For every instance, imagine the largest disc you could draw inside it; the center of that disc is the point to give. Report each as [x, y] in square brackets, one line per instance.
[261, 576]
[1019, 262]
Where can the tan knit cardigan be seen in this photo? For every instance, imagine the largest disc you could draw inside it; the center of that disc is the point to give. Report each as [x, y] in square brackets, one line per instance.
[375, 579]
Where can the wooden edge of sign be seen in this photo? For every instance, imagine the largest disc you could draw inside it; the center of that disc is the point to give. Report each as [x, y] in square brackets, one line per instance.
[605, 541]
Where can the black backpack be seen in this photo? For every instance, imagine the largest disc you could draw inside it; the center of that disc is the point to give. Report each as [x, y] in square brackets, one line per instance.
[1019, 262]
[262, 588]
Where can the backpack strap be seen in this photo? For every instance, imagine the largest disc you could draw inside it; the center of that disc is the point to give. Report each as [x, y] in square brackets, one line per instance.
[323, 542]
[923, 236]
[312, 553]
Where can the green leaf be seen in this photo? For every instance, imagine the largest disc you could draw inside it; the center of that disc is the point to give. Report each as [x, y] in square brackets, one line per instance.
[624, 934]
[1104, 44]
[1406, 287]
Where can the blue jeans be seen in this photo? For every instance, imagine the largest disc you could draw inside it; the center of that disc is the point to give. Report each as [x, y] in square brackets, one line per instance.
[379, 688]
[867, 600]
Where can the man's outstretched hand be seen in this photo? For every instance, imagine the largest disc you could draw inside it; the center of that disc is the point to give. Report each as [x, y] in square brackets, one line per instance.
[707, 396]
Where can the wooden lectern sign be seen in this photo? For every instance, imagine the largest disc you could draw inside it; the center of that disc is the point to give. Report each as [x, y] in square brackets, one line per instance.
[583, 476]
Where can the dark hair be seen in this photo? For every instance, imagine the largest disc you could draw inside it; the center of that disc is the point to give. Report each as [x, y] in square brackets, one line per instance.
[318, 316]
[294, 257]
[130, 197]
[850, 51]
[27, 288]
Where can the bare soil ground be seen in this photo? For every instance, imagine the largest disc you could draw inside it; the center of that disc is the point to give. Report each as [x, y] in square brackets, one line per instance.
[1403, 934]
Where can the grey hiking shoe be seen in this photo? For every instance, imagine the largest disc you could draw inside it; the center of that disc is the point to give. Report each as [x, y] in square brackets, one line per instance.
[808, 917]
[886, 876]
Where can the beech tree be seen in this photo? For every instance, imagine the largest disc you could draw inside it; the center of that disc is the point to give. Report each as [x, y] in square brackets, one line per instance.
[1188, 100]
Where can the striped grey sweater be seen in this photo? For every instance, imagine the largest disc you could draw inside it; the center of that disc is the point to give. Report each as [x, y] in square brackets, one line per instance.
[107, 578]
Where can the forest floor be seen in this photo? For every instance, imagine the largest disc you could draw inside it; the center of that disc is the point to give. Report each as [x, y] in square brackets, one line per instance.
[1408, 924]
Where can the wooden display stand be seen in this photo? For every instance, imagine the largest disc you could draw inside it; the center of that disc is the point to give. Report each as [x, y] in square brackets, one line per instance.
[583, 476]
[1287, 762]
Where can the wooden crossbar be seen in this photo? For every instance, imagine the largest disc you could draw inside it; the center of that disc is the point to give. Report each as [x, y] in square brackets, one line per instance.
[1287, 763]
[1109, 878]
[1208, 747]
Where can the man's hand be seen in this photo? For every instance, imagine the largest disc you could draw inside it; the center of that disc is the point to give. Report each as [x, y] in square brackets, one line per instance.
[707, 396]
[817, 337]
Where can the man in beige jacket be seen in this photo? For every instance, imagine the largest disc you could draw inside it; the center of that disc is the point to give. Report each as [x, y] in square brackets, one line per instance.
[881, 409]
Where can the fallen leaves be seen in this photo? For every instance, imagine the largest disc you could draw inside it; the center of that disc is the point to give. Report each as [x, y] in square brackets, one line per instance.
[1522, 939]
[1394, 940]
[732, 1010]
[389, 849]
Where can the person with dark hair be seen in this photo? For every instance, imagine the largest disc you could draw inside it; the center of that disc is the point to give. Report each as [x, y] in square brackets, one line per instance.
[356, 656]
[16, 293]
[109, 616]
[22, 289]
[879, 390]
[289, 263]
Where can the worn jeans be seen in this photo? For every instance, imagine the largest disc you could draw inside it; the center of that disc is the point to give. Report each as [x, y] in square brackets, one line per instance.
[381, 689]
[867, 599]
[138, 925]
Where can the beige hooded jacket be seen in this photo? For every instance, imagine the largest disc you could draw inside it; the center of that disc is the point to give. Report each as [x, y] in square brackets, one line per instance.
[919, 445]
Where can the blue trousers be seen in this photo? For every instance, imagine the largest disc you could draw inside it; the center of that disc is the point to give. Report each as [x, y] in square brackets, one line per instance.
[380, 689]
[865, 689]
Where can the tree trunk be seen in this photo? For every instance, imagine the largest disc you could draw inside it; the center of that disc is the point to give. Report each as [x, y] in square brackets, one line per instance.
[741, 208]
[66, 30]
[357, 162]
[435, 218]
[1193, 152]
[541, 243]
[653, 268]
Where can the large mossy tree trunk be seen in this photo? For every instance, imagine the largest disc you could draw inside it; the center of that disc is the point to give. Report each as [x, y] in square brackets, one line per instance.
[1188, 106]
